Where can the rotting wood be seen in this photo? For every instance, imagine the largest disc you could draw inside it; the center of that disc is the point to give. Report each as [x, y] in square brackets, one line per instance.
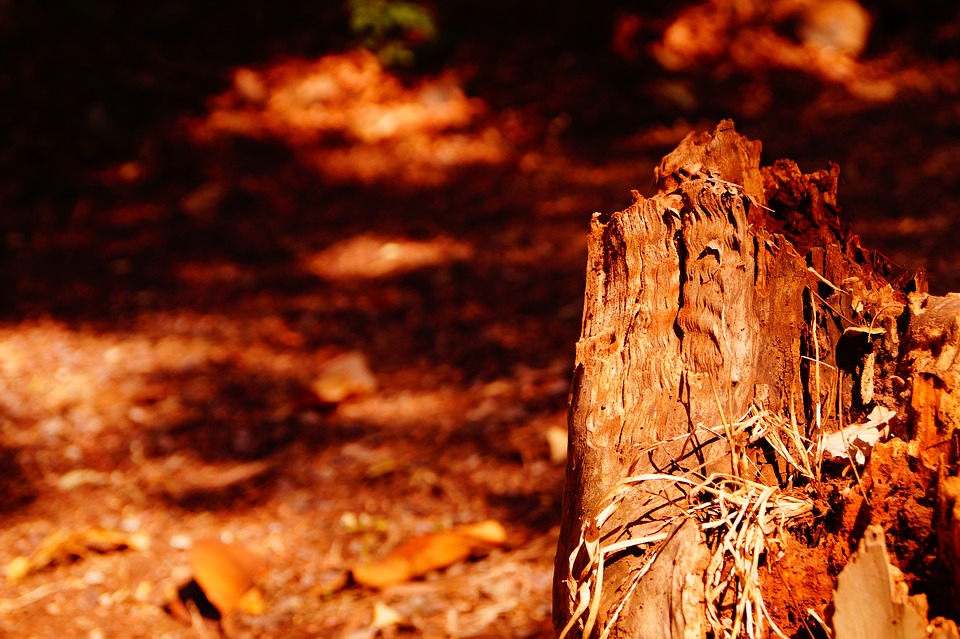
[932, 360]
[872, 601]
[948, 532]
[730, 295]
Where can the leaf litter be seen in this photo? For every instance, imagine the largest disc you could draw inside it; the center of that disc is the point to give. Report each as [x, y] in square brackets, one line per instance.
[163, 286]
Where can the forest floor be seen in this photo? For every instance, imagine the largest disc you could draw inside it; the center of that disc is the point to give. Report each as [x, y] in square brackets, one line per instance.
[200, 213]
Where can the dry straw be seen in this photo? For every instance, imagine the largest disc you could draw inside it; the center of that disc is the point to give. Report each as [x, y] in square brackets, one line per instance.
[738, 516]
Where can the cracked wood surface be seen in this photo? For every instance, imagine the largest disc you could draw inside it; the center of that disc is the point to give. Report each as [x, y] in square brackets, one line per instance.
[697, 304]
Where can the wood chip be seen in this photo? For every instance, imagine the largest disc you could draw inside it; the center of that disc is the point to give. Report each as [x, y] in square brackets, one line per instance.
[872, 600]
[63, 545]
[227, 573]
[421, 555]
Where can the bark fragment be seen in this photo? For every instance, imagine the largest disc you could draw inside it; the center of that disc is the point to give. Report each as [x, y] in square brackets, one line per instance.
[872, 600]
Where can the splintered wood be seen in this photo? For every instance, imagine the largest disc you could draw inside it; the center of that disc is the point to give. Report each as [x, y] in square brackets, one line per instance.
[872, 600]
[670, 320]
[737, 347]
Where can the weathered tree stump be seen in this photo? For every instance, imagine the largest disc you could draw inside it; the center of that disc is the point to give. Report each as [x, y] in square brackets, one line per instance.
[729, 327]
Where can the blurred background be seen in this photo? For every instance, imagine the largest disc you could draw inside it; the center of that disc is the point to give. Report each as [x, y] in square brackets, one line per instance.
[337, 249]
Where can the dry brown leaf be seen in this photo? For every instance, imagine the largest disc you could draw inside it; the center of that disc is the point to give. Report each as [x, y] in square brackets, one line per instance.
[62, 545]
[416, 557]
[82, 477]
[251, 602]
[858, 440]
[489, 531]
[181, 477]
[227, 573]
[343, 377]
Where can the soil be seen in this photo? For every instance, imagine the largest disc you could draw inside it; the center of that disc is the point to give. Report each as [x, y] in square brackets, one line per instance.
[203, 206]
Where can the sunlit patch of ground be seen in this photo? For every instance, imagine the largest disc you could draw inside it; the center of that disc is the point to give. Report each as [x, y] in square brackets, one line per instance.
[370, 257]
[353, 122]
[113, 430]
[826, 39]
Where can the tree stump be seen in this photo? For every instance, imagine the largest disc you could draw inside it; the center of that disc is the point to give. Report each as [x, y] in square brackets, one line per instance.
[733, 340]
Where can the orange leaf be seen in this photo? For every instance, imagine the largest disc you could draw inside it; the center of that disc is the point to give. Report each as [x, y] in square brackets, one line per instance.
[416, 557]
[63, 544]
[225, 572]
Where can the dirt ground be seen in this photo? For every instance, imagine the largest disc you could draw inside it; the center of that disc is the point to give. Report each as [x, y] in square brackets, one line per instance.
[203, 207]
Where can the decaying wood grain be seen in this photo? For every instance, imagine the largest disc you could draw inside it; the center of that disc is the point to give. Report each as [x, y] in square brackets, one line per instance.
[732, 286]
[872, 601]
[948, 532]
[932, 362]
[671, 320]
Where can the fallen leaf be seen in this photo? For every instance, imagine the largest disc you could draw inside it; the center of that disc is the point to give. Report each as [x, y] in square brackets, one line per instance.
[180, 476]
[63, 545]
[343, 377]
[328, 582]
[489, 531]
[251, 602]
[382, 467]
[421, 555]
[226, 573]
[857, 441]
[82, 477]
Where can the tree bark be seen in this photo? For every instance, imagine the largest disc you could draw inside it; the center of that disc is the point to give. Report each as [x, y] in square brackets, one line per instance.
[733, 287]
